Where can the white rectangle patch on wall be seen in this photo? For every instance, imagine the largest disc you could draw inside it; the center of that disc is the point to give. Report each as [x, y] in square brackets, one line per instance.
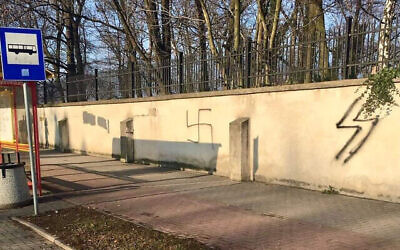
[6, 125]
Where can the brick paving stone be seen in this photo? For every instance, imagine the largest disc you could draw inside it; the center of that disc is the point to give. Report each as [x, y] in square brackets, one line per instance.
[15, 236]
[224, 213]
[369, 217]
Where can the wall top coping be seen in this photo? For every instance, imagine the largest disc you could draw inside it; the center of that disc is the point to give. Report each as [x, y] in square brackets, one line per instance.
[249, 91]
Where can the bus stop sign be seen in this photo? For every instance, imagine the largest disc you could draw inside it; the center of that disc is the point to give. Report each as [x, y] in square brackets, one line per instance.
[22, 54]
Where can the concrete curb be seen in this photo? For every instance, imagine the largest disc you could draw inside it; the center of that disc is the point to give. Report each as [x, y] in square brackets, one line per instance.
[42, 233]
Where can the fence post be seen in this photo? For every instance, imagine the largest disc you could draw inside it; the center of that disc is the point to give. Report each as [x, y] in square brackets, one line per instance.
[44, 92]
[348, 39]
[133, 83]
[180, 76]
[96, 84]
[248, 62]
[66, 89]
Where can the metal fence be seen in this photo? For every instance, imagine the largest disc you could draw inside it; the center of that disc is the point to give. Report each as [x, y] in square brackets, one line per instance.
[346, 52]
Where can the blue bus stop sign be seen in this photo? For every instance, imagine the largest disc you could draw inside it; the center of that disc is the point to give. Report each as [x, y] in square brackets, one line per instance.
[22, 54]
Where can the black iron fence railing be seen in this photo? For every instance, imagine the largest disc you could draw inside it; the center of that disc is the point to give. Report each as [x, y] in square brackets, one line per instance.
[348, 52]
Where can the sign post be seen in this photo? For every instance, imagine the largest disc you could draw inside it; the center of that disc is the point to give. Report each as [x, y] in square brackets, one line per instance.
[23, 60]
[31, 155]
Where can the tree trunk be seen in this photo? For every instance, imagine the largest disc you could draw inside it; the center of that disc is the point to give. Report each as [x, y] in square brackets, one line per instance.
[259, 48]
[57, 59]
[129, 32]
[356, 39]
[236, 25]
[156, 41]
[294, 42]
[204, 86]
[309, 31]
[71, 65]
[81, 86]
[315, 30]
[384, 34]
[319, 19]
[69, 36]
[133, 42]
[80, 68]
[271, 40]
[211, 42]
[273, 9]
[237, 79]
[166, 44]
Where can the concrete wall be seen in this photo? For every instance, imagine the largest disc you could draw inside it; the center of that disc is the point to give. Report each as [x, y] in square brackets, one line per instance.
[294, 139]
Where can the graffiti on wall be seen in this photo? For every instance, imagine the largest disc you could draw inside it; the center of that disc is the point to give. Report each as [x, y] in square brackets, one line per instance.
[358, 123]
[198, 124]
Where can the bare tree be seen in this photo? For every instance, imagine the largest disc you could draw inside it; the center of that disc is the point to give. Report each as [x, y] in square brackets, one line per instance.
[385, 31]
[315, 31]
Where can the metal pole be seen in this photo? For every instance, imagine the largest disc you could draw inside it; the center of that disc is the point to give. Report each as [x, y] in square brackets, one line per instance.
[348, 37]
[180, 76]
[36, 137]
[31, 157]
[248, 62]
[96, 84]
[133, 83]
[44, 93]
[66, 89]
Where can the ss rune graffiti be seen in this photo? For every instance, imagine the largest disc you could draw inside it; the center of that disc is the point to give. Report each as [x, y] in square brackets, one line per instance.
[358, 128]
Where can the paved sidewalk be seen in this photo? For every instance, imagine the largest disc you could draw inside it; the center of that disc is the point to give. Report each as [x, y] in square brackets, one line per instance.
[16, 236]
[220, 212]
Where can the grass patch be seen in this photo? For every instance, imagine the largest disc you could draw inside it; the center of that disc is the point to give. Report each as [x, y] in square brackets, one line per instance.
[330, 190]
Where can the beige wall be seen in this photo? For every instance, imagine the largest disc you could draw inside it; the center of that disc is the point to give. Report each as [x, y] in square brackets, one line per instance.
[293, 135]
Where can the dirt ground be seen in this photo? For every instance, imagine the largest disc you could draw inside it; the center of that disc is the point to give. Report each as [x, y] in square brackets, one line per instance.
[85, 228]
